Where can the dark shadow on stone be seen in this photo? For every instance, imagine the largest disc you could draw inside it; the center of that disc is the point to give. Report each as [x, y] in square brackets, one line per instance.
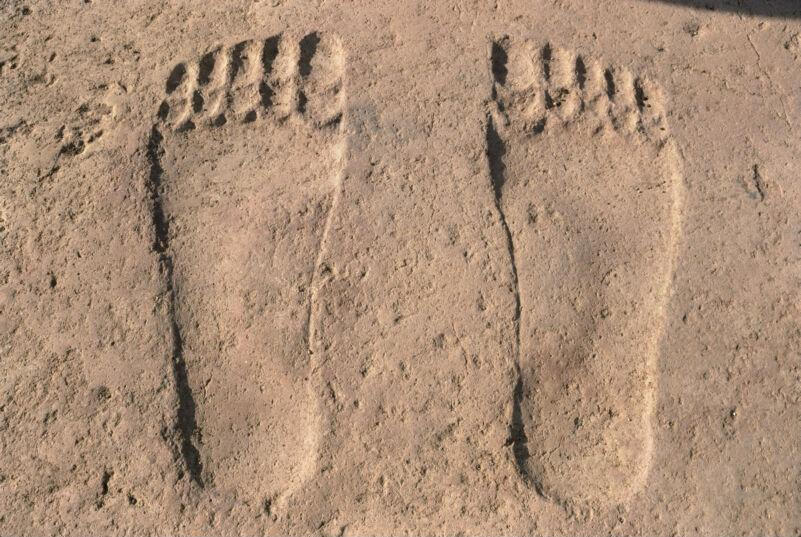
[757, 8]
[186, 423]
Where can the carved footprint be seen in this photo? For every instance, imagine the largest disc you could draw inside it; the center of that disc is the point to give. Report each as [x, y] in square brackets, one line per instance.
[588, 185]
[246, 158]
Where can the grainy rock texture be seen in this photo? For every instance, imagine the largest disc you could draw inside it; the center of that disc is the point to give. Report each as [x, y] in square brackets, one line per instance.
[511, 267]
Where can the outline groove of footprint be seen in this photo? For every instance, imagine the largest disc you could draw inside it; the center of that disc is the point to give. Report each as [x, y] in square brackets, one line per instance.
[588, 188]
[246, 162]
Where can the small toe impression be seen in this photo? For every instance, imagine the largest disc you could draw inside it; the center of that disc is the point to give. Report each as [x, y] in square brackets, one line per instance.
[519, 82]
[560, 67]
[625, 114]
[209, 97]
[651, 102]
[246, 77]
[175, 109]
[320, 87]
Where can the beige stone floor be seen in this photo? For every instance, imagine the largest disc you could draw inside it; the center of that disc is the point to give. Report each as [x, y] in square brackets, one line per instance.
[412, 381]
